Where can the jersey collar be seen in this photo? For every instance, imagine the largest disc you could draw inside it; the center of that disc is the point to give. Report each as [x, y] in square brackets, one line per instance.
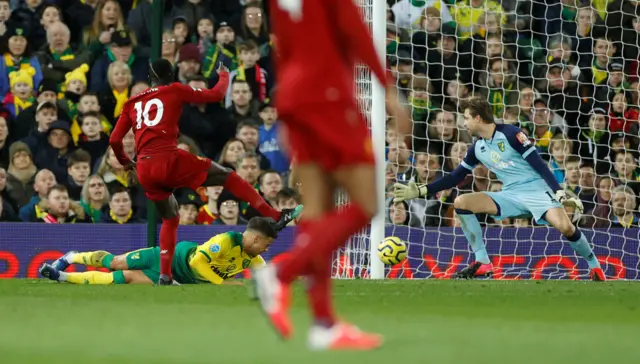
[492, 135]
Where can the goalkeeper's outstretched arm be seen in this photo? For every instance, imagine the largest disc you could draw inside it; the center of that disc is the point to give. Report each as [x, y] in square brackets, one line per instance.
[412, 190]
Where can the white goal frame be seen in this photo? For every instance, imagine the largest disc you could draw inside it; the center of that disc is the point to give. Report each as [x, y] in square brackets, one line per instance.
[378, 125]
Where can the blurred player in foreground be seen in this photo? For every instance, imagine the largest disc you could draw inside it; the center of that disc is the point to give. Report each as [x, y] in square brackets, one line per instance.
[529, 188]
[330, 142]
[162, 167]
[223, 256]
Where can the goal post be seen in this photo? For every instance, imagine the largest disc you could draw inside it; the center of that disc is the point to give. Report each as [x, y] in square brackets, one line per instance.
[359, 258]
[378, 123]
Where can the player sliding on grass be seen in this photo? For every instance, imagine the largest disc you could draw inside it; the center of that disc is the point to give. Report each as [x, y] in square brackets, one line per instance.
[529, 188]
[162, 167]
[331, 144]
[223, 256]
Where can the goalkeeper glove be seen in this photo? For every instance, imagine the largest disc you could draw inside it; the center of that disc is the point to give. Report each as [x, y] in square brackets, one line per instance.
[561, 196]
[409, 191]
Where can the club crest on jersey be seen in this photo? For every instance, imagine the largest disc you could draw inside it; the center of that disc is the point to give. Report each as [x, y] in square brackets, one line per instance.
[523, 139]
[501, 146]
[214, 248]
[495, 157]
[246, 263]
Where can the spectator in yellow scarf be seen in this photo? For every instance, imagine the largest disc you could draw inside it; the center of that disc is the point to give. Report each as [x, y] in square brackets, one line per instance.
[75, 85]
[59, 58]
[21, 95]
[88, 103]
[112, 99]
[466, 14]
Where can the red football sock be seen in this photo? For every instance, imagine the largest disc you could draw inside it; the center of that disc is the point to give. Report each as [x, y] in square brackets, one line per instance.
[244, 191]
[321, 238]
[168, 240]
[319, 292]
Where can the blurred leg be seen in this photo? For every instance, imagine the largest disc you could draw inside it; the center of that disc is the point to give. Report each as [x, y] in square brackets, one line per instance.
[168, 210]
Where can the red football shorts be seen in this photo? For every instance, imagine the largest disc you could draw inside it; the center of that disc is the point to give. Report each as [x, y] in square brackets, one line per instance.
[333, 135]
[160, 174]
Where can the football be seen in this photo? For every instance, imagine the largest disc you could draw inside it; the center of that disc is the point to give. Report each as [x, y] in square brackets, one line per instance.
[392, 250]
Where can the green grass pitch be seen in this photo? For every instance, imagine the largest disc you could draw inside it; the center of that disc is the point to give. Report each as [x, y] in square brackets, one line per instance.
[424, 321]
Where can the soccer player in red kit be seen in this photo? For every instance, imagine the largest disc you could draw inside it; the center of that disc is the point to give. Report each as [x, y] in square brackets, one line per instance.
[162, 167]
[331, 144]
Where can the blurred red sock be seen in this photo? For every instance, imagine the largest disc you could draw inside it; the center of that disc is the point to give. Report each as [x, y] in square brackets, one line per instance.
[320, 238]
[319, 291]
[245, 192]
[168, 240]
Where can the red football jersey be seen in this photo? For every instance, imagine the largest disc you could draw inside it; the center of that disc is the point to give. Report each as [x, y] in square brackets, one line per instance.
[318, 44]
[155, 115]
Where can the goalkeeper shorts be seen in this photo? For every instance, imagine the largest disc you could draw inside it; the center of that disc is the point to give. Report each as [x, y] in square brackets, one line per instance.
[532, 199]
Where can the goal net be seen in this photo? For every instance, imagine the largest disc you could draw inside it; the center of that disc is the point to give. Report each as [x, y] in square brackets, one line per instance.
[566, 74]
[354, 259]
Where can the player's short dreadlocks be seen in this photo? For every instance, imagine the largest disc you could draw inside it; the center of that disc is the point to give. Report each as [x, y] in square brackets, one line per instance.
[161, 72]
[263, 225]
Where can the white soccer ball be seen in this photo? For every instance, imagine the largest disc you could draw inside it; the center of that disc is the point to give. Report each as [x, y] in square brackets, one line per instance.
[392, 250]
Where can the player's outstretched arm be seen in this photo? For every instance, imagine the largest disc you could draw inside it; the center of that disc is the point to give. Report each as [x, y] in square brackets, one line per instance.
[123, 125]
[201, 96]
[411, 190]
[199, 263]
[356, 36]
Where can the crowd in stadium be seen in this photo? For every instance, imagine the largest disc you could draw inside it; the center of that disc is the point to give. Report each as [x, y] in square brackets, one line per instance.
[566, 72]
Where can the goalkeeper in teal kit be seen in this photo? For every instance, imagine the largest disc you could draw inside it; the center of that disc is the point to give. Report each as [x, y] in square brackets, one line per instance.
[529, 188]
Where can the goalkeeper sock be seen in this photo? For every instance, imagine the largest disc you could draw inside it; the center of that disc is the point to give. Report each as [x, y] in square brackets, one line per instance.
[244, 191]
[91, 277]
[473, 232]
[581, 246]
[316, 240]
[319, 291]
[168, 240]
[91, 259]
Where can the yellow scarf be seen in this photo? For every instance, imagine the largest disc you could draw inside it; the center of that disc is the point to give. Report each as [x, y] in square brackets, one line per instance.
[21, 104]
[599, 75]
[39, 213]
[545, 139]
[601, 7]
[626, 224]
[124, 180]
[76, 130]
[121, 98]
[118, 220]
[11, 65]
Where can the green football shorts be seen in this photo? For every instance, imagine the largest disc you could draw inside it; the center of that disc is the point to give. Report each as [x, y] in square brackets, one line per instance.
[181, 271]
[146, 260]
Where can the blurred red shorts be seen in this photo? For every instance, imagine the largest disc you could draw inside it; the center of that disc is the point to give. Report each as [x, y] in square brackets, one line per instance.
[333, 135]
[159, 174]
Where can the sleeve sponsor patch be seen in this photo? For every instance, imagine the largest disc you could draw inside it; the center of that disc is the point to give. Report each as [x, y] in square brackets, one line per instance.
[522, 138]
[214, 248]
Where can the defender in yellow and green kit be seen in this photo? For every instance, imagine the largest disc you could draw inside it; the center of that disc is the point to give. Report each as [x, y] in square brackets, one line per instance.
[223, 256]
